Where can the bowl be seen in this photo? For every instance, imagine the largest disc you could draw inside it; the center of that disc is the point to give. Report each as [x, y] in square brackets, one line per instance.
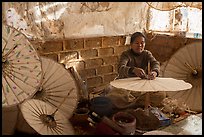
[101, 105]
[126, 120]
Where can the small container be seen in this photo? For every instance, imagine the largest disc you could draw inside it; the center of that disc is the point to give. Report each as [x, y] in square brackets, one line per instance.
[102, 106]
[81, 115]
[126, 121]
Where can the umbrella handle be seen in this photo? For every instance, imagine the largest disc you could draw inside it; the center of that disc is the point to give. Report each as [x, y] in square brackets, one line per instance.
[191, 68]
[62, 102]
[148, 67]
[147, 100]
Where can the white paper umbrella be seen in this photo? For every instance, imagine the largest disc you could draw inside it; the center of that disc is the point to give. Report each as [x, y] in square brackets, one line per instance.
[21, 67]
[186, 64]
[144, 85]
[57, 85]
[44, 119]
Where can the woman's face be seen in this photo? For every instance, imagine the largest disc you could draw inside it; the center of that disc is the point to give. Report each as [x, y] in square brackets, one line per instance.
[138, 45]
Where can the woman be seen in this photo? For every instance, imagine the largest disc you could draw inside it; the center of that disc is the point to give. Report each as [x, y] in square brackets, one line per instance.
[134, 61]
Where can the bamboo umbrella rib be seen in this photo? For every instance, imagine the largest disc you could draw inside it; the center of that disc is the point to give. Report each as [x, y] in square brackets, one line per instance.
[42, 126]
[12, 49]
[49, 92]
[200, 93]
[11, 89]
[17, 86]
[4, 44]
[40, 108]
[181, 77]
[34, 113]
[197, 93]
[28, 55]
[177, 76]
[55, 95]
[180, 61]
[198, 59]
[63, 75]
[57, 86]
[12, 71]
[50, 76]
[196, 53]
[30, 62]
[64, 99]
[190, 52]
[190, 94]
[47, 66]
[10, 34]
[20, 80]
[34, 109]
[192, 56]
[176, 69]
[175, 72]
[192, 61]
[190, 97]
[50, 100]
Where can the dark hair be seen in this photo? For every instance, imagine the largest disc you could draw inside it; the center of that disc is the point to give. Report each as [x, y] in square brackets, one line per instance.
[135, 35]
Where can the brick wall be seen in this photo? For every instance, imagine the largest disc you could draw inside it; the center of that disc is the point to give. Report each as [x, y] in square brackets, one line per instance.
[96, 59]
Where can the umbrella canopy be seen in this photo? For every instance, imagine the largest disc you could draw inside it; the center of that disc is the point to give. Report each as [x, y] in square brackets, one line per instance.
[186, 64]
[58, 88]
[41, 117]
[21, 67]
[143, 85]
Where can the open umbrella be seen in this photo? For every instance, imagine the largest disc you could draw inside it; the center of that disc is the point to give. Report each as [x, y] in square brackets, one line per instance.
[137, 84]
[57, 85]
[21, 67]
[186, 64]
[45, 119]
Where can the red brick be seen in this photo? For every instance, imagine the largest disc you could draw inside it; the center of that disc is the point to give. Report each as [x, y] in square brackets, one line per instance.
[104, 69]
[52, 46]
[94, 81]
[110, 41]
[78, 64]
[89, 53]
[93, 42]
[52, 56]
[111, 60]
[74, 44]
[93, 63]
[118, 50]
[87, 73]
[106, 51]
[109, 77]
[68, 56]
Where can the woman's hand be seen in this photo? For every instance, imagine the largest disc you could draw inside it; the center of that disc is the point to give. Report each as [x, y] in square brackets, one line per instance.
[139, 72]
[152, 75]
